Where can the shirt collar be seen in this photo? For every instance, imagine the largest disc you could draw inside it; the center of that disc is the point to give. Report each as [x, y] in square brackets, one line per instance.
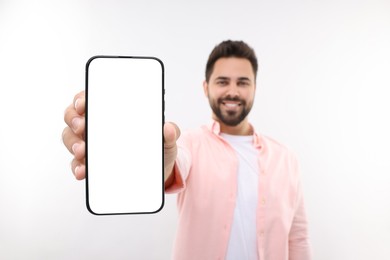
[215, 128]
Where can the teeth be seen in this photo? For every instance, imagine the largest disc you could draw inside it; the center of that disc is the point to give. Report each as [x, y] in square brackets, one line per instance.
[231, 105]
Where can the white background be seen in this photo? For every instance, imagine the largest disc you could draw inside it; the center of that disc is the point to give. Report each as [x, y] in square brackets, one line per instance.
[323, 90]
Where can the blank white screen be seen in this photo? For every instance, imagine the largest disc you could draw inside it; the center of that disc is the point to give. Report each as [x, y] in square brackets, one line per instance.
[124, 135]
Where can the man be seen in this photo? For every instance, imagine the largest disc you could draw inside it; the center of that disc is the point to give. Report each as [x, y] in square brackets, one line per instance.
[239, 193]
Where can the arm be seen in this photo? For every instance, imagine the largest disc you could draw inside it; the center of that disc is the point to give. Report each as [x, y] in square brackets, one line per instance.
[181, 168]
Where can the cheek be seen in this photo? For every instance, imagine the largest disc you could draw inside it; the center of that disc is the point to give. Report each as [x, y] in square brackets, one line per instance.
[214, 93]
[249, 96]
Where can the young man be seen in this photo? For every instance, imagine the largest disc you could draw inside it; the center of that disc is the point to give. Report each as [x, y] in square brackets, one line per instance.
[239, 193]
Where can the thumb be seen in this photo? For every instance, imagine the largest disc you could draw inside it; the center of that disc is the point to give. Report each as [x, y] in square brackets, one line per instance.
[171, 134]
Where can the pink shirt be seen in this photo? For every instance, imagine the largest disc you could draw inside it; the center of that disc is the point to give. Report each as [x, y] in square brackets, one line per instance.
[205, 180]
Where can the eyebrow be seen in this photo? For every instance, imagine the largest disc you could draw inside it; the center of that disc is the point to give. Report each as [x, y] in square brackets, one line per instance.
[244, 79]
[221, 78]
[227, 78]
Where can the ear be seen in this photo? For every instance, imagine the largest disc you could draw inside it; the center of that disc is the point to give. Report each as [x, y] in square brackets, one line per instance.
[206, 88]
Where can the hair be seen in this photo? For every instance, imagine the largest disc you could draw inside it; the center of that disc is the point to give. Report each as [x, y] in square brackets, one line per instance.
[226, 49]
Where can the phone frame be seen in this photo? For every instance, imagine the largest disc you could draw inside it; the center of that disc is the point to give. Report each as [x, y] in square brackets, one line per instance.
[86, 132]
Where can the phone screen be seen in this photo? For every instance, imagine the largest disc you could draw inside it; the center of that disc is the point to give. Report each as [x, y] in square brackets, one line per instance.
[124, 135]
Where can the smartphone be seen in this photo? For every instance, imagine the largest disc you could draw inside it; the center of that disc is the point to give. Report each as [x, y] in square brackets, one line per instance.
[124, 135]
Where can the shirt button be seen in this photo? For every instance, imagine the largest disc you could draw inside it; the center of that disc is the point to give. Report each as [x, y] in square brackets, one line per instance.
[263, 201]
[262, 172]
[261, 233]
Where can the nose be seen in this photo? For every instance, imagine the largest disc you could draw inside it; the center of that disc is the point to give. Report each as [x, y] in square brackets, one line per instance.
[232, 90]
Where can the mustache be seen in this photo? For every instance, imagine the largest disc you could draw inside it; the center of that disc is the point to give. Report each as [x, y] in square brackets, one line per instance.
[230, 98]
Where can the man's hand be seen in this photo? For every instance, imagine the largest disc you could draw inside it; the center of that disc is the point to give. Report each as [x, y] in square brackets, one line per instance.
[73, 138]
[73, 134]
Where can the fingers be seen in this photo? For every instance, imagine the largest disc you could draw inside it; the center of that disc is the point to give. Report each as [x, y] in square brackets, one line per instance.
[73, 143]
[76, 146]
[74, 114]
[78, 169]
[73, 134]
[74, 121]
[79, 103]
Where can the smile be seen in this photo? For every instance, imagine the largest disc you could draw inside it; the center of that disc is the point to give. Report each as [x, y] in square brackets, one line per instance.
[231, 104]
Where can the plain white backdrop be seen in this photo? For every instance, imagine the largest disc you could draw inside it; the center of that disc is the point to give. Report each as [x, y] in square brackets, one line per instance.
[323, 90]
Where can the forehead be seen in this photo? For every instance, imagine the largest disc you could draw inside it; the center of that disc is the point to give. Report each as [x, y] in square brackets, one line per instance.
[232, 67]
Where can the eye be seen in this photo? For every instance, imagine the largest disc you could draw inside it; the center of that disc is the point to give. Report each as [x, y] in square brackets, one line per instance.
[222, 82]
[243, 83]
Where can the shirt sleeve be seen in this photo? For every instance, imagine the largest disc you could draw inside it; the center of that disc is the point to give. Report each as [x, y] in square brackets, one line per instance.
[299, 247]
[181, 170]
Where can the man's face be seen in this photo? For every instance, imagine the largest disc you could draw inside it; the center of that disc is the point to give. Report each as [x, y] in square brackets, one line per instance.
[231, 90]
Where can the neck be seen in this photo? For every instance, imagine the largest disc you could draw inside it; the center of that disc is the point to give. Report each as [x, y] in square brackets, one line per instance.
[243, 128]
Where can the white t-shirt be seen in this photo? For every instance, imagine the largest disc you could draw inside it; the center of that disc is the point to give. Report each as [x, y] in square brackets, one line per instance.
[243, 241]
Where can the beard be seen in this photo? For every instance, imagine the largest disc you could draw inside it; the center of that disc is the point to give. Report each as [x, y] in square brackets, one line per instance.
[230, 117]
